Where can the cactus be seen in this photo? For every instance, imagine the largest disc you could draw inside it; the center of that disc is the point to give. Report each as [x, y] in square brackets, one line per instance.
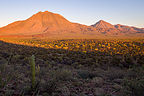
[33, 79]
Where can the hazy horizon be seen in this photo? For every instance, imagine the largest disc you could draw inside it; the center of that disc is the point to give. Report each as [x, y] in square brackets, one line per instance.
[87, 12]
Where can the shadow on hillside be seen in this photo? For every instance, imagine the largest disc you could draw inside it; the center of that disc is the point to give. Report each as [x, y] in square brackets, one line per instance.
[61, 56]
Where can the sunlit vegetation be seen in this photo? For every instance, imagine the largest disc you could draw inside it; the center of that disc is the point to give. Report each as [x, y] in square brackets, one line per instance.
[102, 67]
[114, 46]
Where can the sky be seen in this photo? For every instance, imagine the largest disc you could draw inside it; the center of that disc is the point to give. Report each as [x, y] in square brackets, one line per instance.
[88, 12]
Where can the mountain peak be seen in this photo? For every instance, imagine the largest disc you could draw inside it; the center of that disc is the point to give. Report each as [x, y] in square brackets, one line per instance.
[47, 17]
[102, 21]
[103, 24]
[40, 13]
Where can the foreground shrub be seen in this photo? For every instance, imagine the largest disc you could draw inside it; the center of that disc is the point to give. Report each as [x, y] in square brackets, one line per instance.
[115, 73]
[50, 86]
[85, 74]
[136, 87]
[62, 75]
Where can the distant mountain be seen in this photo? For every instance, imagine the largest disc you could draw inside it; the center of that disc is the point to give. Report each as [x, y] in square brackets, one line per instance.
[128, 29]
[103, 24]
[48, 24]
[107, 28]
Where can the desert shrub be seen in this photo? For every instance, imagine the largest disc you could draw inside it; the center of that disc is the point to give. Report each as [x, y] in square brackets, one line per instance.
[129, 61]
[45, 94]
[141, 60]
[61, 75]
[136, 87]
[99, 92]
[26, 90]
[3, 61]
[97, 81]
[56, 77]
[50, 86]
[116, 61]
[134, 81]
[135, 72]
[82, 94]
[6, 75]
[16, 58]
[64, 91]
[115, 73]
[9, 93]
[85, 74]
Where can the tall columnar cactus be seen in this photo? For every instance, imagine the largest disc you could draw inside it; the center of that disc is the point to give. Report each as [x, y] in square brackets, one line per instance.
[32, 63]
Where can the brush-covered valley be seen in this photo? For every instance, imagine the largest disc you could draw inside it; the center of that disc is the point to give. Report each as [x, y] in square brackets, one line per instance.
[73, 67]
